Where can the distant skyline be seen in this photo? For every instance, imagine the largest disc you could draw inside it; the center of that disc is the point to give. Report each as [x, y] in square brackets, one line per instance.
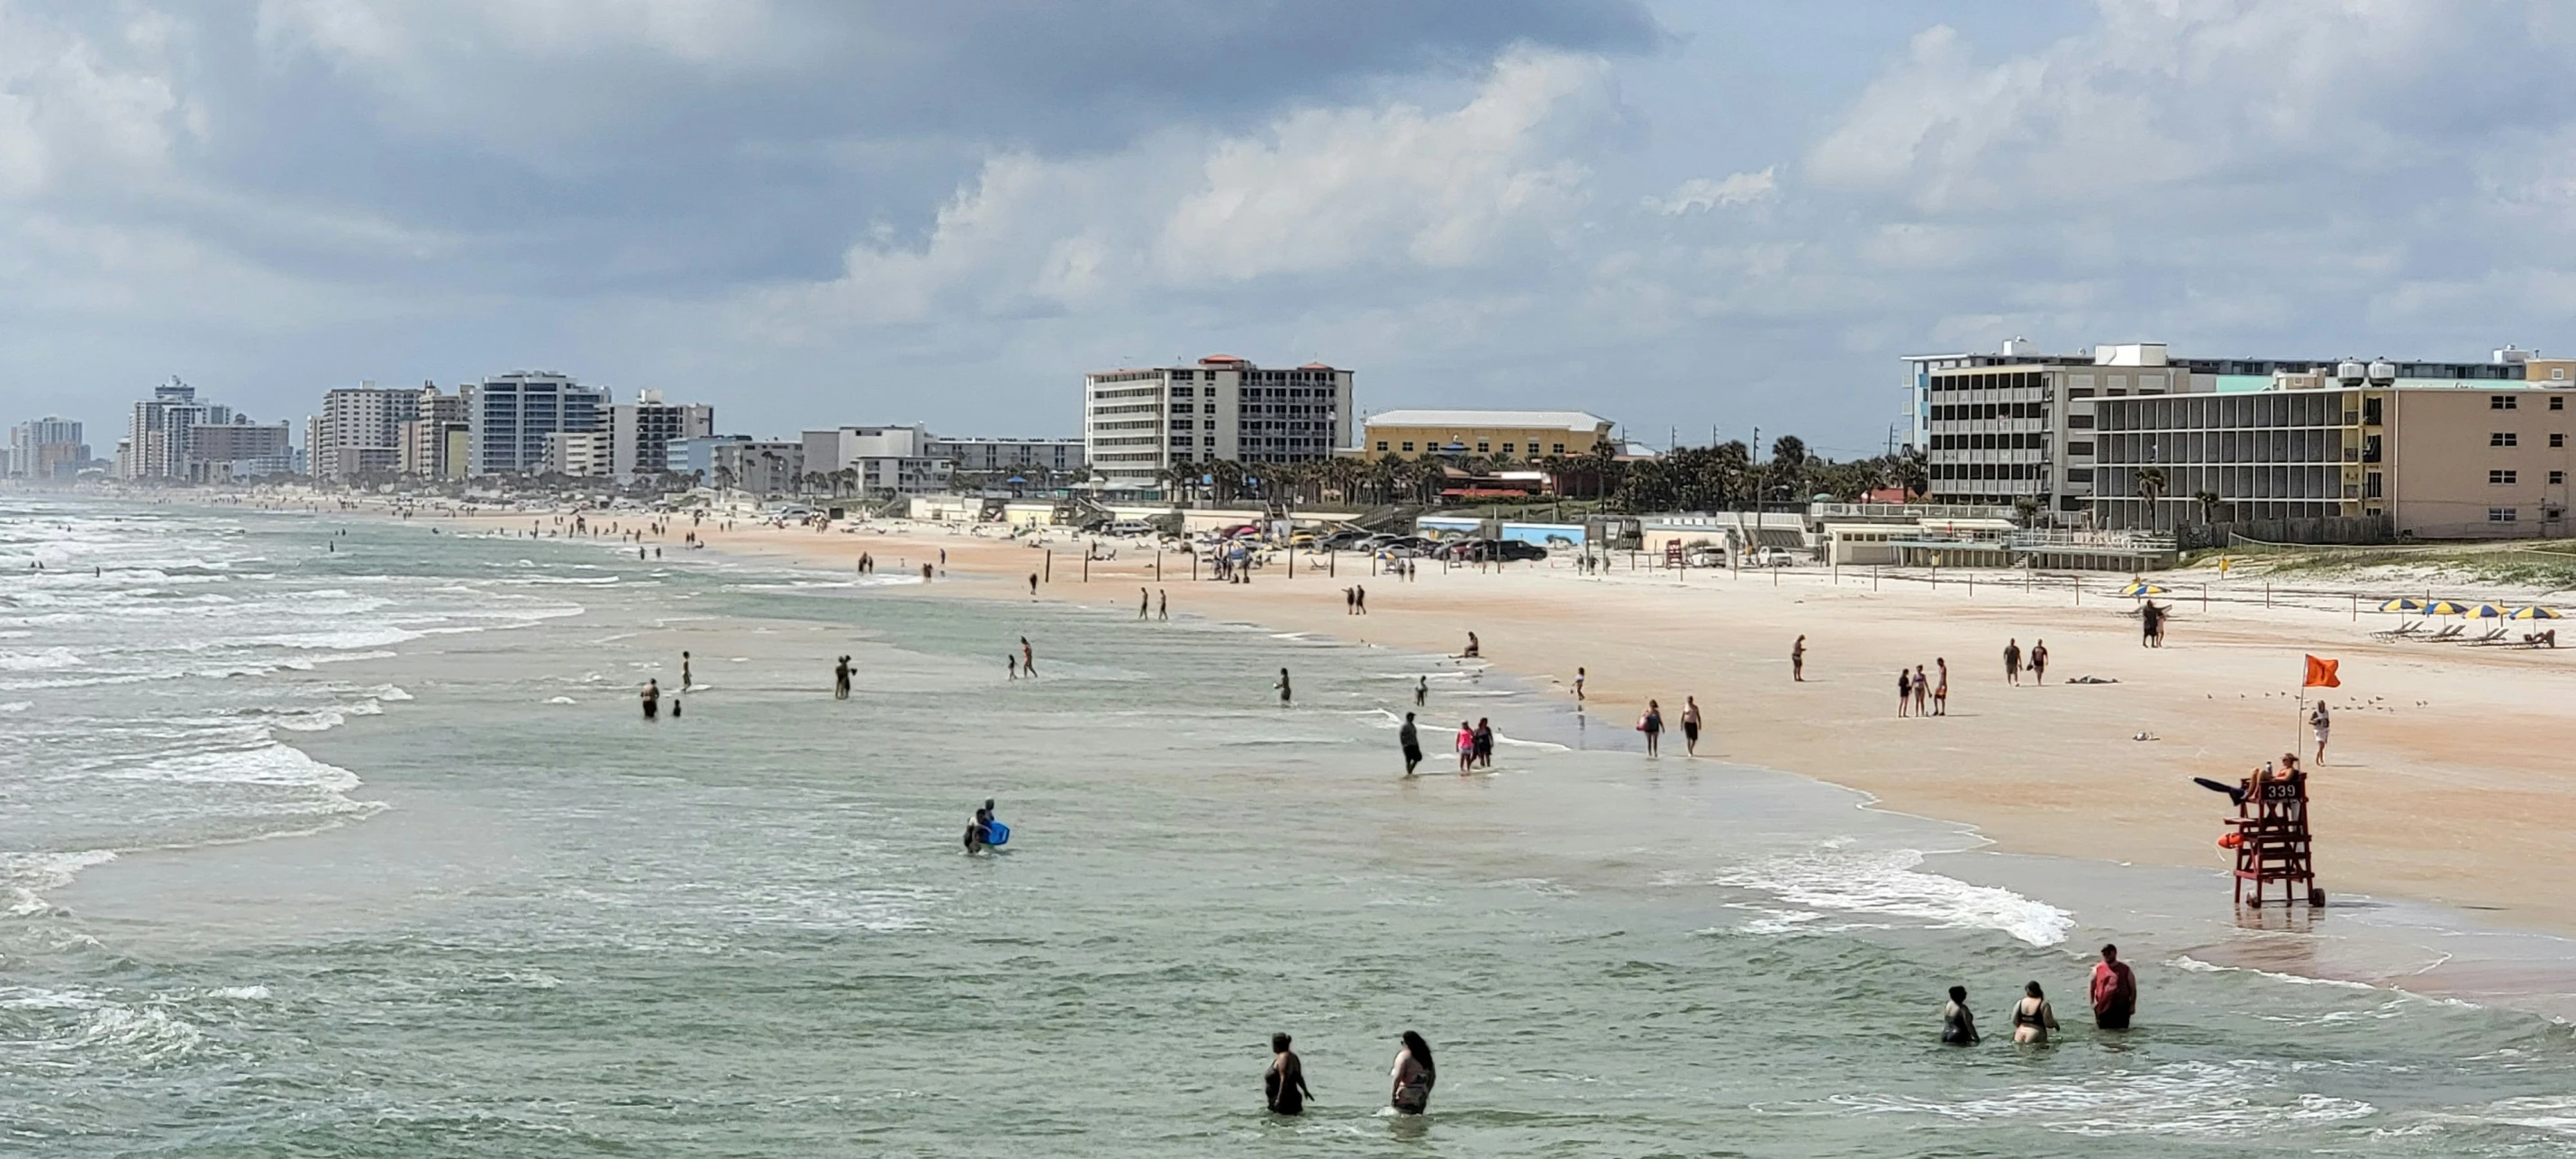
[1674, 215]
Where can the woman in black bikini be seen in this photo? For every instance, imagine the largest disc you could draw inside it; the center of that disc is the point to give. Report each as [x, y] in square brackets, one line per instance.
[1413, 1076]
[1283, 1085]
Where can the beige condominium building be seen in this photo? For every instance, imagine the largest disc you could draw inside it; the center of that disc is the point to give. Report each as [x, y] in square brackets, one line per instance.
[2420, 450]
[1495, 434]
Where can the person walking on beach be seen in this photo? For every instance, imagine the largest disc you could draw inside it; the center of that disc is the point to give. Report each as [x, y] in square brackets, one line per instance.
[1922, 693]
[1028, 659]
[2320, 722]
[2031, 1017]
[1413, 1075]
[1579, 676]
[2039, 661]
[1033, 580]
[1941, 691]
[685, 682]
[2115, 991]
[1350, 603]
[1466, 748]
[1410, 741]
[1798, 661]
[1484, 743]
[1144, 603]
[1283, 1085]
[1162, 604]
[1904, 691]
[1421, 690]
[2150, 624]
[1690, 726]
[1958, 1026]
[652, 697]
[1652, 724]
[1359, 598]
[1011, 664]
[841, 679]
[2012, 660]
[1283, 686]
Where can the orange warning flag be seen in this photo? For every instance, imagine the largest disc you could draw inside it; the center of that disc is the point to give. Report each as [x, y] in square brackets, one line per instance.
[2321, 673]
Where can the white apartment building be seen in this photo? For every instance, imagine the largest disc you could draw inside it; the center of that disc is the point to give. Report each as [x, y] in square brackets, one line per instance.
[579, 454]
[761, 467]
[509, 415]
[433, 445]
[1139, 423]
[887, 460]
[359, 432]
[46, 448]
[641, 432]
[158, 433]
[1059, 459]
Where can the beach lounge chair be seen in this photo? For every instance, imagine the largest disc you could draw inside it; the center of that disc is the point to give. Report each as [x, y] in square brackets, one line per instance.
[2493, 635]
[2450, 633]
[2401, 631]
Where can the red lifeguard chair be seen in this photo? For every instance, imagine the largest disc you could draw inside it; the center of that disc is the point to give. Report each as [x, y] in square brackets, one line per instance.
[2273, 845]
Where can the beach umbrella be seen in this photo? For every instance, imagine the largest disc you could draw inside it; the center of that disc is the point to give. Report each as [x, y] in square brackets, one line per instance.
[2486, 612]
[2446, 608]
[2536, 612]
[2141, 589]
[2402, 605]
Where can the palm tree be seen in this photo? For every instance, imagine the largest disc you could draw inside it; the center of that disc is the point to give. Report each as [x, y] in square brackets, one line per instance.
[2151, 486]
[2208, 501]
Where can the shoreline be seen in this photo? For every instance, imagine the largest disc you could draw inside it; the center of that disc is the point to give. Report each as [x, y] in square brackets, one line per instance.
[2133, 808]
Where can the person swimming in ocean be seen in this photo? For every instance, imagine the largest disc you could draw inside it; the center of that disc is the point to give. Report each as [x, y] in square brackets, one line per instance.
[1284, 693]
[652, 697]
[979, 831]
[1283, 1084]
[1958, 1026]
[1413, 1076]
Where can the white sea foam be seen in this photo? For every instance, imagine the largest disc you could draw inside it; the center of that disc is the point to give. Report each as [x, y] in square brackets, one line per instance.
[2194, 965]
[2216, 1100]
[77, 1026]
[270, 764]
[559, 700]
[40, 660]
[26, 875]
[1887, 882]
[17, 706]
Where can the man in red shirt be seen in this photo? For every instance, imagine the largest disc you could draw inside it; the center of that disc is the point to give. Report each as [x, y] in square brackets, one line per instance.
[2115, 991]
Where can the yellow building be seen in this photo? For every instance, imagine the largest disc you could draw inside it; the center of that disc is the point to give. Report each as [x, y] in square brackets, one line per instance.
[1495, 434]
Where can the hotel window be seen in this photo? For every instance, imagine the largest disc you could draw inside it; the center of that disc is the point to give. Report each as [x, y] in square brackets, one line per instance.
[2558, 402]
[1381, 446]
[1408, 448]
[1560, 448]
[1533, 449]
[2504, 439]
[2501, 478]
[2557, 478]
[2500, 402]
[2503, 514]
[1483, 447]
[2079, 448]
[2557, 440]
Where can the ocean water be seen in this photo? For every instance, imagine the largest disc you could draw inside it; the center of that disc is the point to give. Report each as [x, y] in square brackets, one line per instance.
[355, 845]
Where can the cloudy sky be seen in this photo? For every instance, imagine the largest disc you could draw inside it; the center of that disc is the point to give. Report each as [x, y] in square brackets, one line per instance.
[1681, 216]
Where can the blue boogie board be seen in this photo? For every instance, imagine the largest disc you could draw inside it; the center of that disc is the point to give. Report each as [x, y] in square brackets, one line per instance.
[996, 833]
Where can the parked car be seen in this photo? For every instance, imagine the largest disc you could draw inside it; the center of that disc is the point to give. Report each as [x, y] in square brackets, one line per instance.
[1128, 527]
[1515, 549]
[1768, 557]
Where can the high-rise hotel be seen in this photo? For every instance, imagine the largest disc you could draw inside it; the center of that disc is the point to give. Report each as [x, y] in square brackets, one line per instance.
[1139, 423]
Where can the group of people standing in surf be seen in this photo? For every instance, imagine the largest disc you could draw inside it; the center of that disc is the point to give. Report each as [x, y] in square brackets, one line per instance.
[2113, 990]
[1283, 1082]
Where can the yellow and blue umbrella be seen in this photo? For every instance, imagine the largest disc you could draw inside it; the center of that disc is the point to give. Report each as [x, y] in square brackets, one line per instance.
[2141, 590]
[2536, 612]
[2487, 612]
[2402, 604]
[2446, 608]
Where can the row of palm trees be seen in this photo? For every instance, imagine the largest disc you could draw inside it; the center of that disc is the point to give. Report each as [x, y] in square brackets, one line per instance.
[1379, 481]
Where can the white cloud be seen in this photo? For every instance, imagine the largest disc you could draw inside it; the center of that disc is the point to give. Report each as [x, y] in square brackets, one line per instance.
[1319, 191]
[1702, 194]
[70, 116]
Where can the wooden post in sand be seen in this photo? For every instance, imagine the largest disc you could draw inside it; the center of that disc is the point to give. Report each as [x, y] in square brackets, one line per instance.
[1050, 565]
[1086, 564]
[1332, 565]
[2267, 595]
[1158, 565]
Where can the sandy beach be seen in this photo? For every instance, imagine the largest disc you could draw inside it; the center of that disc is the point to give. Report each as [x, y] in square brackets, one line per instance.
[2443, 783]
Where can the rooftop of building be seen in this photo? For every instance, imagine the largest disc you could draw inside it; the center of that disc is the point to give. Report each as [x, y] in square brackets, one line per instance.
[1211, 362]
[1569, 420]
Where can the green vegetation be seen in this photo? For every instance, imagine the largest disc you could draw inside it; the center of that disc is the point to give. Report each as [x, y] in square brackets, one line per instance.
[2550, 568]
